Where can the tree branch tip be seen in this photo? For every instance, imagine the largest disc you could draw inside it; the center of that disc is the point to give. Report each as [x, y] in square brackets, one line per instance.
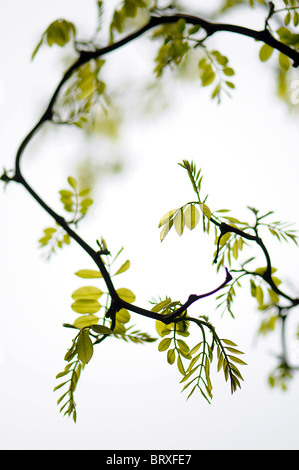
[229, 277]
[7, 179]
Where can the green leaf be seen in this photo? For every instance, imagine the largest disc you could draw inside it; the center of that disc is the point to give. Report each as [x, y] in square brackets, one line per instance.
[179, 222]
[88, 274]
[181, 366]
[84, 347]
[161, 305]
[123, 268]
[192, 391]
[220, 362]
[273, 296]
[287, 18]
[284, 62]
[72, 182]
[171, 356]
[208, 76]
[102, 329]
[84, 192]
[164, 344]
[165, 230]
[194, 29]
[87, 292]
[188, 375]
[205, 210]
[228, 341]
[60, 385]
[183, 346]
[234, 350]
[123, 316]
[86, 306]
[126, 294]
[228, 71]
[196, 348]
[235, 249]
[191, 216]
[259, 294]
[85, 320]
[59, 32]
[167, 217]
[237, 360]
[265, 52]
[37, 48]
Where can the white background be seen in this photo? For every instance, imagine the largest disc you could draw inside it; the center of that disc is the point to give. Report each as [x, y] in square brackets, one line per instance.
[128, 396]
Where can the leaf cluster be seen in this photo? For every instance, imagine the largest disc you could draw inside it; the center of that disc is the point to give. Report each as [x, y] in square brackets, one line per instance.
[174, 47]
[76, 202]
[194, 364]
[60, 32]
[129, 9]
[94, 328]
[280, 377]
[83, 94]
[178, 41]
[215, 67]
[187, 215]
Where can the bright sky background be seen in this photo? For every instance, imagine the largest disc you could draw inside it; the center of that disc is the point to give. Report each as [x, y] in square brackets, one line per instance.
[128, 396]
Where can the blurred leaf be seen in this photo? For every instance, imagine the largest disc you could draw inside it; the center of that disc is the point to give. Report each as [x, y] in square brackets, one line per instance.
[265, 52]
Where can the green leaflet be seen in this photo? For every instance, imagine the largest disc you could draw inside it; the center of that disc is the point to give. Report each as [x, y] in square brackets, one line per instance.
[179, 222]
[88, 274]
[85, 321]
[265, 52]
[84, 347]
[60, 32]
[126, 294]
[191, 216]
[123, 268]
[164, 344]
[180, 366]
[184, 348]
[171, 356]
[205, 210]
[284, 62]
[87, 293]
[102, 329]
[75, 203]
[211, 67]
[123, 316]
[128, 9]
[167, 217]
[86, 306]
[165, 230]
